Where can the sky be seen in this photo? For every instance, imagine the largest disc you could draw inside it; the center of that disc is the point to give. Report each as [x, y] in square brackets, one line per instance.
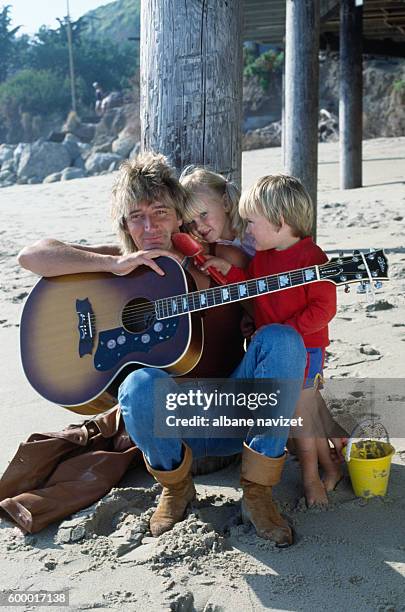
[31, 14]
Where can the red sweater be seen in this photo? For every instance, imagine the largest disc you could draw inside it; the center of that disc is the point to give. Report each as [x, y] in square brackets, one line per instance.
[307, 308]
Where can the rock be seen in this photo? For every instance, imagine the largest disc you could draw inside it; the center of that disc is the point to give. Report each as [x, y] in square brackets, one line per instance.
[123, 145]
[6, 153]
[104, 147]
[97, 162]
[114, 165]
[8, 165]
[53, 178]
[71, 143]
[72, 173]
[268, 136]
[7, 175]
[41, 159]
[328, 126]
[79, 163]
[7, 183]
[84, 131]
[34, 180]
[85, 149]
[55, 136]
[135, 151]
[18, 152]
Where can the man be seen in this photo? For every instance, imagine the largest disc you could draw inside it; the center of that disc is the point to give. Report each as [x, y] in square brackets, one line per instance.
[146, 211]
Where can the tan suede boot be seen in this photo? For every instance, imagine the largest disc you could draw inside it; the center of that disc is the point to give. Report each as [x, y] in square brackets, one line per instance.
[258, 474]
[178, 492]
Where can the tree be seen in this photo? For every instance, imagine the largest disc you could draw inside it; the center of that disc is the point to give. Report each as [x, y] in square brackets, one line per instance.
[7, 39]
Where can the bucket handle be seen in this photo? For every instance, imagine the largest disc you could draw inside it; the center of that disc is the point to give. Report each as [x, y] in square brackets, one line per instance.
[376, 430]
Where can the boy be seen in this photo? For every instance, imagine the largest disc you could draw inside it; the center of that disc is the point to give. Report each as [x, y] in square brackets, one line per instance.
[279, 216]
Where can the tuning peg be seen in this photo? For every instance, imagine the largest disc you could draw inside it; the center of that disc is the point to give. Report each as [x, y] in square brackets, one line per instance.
[378, 284]
[356, 255]
[347, 288]
[362, 288]
[371, 254]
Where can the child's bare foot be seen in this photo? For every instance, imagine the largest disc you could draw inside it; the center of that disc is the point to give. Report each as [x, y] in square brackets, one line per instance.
[315, 492]
[331, 477]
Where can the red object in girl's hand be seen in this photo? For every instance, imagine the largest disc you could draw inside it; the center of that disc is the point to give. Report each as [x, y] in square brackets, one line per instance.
[191, 248]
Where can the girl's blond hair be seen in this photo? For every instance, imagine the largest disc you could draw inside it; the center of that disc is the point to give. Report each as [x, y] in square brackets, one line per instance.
[280, 196]
[147, 177]
[197, 179]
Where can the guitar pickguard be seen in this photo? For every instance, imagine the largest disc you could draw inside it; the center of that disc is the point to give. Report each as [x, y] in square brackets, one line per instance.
[114, 344]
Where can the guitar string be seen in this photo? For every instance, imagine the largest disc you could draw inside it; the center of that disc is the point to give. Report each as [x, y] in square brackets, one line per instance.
[148, 307]
[138, 313]
[250, 283]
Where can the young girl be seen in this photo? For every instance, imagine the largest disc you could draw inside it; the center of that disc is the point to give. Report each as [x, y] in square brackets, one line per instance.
[212, 213]
[279, 216]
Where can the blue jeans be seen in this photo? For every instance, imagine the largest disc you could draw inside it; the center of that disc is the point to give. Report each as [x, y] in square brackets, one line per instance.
[276, 352]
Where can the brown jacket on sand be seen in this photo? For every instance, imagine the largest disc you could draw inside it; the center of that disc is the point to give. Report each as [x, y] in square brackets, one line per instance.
[55, 474]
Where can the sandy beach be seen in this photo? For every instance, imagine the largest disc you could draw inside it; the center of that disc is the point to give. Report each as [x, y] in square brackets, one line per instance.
[350, 556]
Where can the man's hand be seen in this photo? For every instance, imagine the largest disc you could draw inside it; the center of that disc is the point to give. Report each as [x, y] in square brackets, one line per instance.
[124, 264]
[217, 262]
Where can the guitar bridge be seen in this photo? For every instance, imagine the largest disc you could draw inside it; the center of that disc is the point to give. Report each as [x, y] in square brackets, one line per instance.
[86, 327]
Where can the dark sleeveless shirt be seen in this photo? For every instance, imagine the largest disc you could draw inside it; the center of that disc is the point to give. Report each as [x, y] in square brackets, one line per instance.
[223, 340]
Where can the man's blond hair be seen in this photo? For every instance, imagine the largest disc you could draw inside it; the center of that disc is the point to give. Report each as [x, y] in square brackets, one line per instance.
[277, 197]
[146, 178]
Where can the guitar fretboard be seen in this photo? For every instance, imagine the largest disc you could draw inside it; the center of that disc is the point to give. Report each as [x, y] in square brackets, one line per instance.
[235, 292]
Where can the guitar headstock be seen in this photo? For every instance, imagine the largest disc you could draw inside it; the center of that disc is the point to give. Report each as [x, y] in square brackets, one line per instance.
[357, 268]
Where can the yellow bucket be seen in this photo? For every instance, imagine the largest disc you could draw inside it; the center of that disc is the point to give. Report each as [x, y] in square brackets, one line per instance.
[369, 466]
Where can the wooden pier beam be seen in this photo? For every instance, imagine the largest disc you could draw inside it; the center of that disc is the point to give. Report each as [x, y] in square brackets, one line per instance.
[301, 94]
[351, 94]
[191, 82]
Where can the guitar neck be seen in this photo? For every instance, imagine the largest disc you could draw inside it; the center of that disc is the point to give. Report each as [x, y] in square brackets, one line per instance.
[235, 292]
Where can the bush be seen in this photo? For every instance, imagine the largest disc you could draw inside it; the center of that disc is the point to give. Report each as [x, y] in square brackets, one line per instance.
[35, 91]
[399, 86]
[264, 66]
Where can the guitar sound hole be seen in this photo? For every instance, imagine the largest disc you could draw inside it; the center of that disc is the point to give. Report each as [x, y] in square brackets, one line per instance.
[138, 315]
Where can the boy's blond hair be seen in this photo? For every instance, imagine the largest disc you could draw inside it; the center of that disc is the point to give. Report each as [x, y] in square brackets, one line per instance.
[147, 177]
[278, 196]
[196, 180]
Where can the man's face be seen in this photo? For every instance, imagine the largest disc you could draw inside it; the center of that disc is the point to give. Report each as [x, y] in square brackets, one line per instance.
[151, 225]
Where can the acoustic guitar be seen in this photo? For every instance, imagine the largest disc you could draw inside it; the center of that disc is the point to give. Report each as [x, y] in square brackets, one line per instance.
[80, 331]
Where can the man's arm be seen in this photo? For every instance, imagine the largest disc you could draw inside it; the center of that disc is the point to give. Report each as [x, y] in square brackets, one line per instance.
[49, 257]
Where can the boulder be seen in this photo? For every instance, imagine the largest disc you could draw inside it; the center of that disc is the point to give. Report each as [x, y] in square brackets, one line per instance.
[6, 153]
[135, 151]
[124, 144]
[72, 173]
[70, 142]
[7, 183]
[104, 147]
[7, 175]
[85, 149]
[18, 152]
[40, 159]
[268, 136]
[53, 178]
[55, 136]
[79, 163]
[98, 162]
[8, 165]
[84, 131]
[34, 180]
[114, 165]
